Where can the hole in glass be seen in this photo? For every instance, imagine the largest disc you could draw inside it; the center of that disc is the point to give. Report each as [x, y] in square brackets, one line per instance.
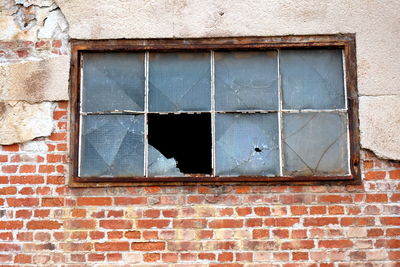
[186, 138]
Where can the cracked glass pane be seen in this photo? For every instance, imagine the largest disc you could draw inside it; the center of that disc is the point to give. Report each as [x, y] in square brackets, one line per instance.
[179, 82]
[247, 144]
[159, 165]
[246, 81]
[113, 81]
[312, 79]
[112, 145]
[315, 144]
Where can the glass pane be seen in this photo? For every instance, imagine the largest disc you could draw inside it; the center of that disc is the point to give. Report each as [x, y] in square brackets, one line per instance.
[246, 80]
[312, 79]
[159, 165]
[315, 144]
[113, 81]
[179, 82]
[247, 144]
[112, 145]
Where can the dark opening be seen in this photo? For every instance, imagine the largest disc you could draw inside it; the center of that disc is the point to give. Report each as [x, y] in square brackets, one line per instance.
[184, 137]
[257, 149]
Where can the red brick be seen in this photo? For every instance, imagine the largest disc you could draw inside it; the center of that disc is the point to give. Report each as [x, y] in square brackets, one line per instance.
[262, 211]
[260, 233]
[358, 221]
[151, 213]
[335, 199]
[153, 223]
[335, 244]
[189, 223]
[259, 245]
[31, 179]
[377, 198]
[393, 243]
[46, 168]
[148, 246]
[298, 210]
[170, 213]
[375, 175]
[11, 148]
[243, 211]
[44, 224]
[112, 246]
[225, 256]
[394, 174]
[53, 202]
[56, 43]
[207, 256]
[80, 224]
[317, 210]
[55, 180]
[394, 255]
[27, 168]
[9, 225]
[23, 202]
[130, 200]
[94, 201]
[390, 220]
[151, 257]
[132, 235]
[116, 224]
[226, 223]
[300, 256]
[298, 244]
[10, 190]
[320, 221]
[58, 137]
[23, 258]
[9, 168]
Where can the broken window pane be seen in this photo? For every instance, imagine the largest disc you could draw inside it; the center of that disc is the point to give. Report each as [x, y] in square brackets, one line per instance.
[184, 138]
[179, 82]
[113, 81]
[159, 165]
[247, 144]
[315, 144]
[246, 80]
[112, 145]
[312, 79]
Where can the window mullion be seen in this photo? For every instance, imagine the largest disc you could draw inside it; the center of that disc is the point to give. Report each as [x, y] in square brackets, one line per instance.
[146, 110]
[213, 166]
[280, 115]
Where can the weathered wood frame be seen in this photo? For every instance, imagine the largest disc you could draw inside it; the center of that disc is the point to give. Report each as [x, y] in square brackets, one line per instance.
[346, 42]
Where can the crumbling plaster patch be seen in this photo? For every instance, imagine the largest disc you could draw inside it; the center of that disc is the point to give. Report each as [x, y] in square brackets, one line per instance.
[21, 121]
[35, 81]
[380, 125]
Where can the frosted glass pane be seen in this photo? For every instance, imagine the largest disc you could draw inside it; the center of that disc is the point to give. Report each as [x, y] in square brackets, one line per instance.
[179, 82]
[113, 81]
[312, 79]
[315, 144]
[159, 165]
[246, 80]
[247, 144]
[112, 145]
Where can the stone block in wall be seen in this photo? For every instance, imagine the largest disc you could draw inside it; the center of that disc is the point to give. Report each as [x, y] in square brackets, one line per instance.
[35, 81]
[21, 121]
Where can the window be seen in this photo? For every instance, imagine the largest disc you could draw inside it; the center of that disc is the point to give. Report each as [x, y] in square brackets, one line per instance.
[214, 110]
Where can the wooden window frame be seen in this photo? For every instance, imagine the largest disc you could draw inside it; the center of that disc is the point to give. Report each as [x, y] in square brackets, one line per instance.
[347, 42]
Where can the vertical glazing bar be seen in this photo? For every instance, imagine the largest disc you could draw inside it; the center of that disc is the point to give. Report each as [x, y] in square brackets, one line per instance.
[213, 114]
[80, 115]
[347, 110]
[146, 110]
[280, 115]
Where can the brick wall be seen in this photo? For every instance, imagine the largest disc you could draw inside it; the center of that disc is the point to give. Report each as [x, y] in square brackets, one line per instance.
[46, 223]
